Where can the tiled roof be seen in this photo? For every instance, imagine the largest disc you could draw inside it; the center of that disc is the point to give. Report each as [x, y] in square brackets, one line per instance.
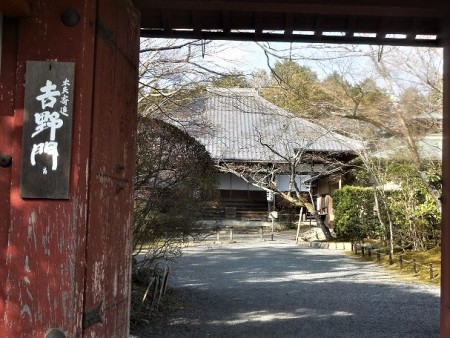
[429, 147]
[239, 125]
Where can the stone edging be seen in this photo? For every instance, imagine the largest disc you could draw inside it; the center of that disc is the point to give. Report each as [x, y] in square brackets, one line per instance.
[331, 245]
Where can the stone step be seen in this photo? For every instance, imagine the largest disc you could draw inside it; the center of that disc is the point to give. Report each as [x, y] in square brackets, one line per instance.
[331, 245]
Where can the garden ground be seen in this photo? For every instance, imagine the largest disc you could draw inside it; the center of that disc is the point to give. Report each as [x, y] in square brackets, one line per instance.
[276, 288]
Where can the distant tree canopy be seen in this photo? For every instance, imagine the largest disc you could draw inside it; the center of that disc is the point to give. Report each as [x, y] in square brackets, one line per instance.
[294, 88]
[175, 178]
[232, 80]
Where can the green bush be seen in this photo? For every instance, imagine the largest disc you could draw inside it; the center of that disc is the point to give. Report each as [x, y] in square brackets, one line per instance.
[355, 214]
[407, 207]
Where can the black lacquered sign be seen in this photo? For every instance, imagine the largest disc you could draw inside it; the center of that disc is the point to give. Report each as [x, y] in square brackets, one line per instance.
[47, 130]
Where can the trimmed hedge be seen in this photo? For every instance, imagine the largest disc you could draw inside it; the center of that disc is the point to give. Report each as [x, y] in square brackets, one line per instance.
[355, 213]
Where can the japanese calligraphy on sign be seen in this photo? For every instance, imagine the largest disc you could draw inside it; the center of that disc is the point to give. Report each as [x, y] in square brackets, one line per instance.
[47, 130]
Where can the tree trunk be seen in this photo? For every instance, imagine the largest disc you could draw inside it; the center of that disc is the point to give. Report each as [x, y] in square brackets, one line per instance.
[320, 219]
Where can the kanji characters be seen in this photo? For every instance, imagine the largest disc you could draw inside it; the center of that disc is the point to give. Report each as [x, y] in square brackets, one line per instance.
[48, 148]
[48, 98]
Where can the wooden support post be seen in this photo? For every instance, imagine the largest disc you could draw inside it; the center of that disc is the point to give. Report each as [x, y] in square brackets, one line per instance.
[155, 293]
[77, 253]
[363, 251]
[391, 259]
[415, 266]
[165, 278]
[370, 252]
[148, 289]
[378, 254]
[231, 234]
[262, 232]
[431, 271]
[400, 262]
[162, 287]
[445, 226]
[299, 224]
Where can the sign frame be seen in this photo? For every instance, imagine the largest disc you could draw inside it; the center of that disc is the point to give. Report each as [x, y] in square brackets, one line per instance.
[47, 130]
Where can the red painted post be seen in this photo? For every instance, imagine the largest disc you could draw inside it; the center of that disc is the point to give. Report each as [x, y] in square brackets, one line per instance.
[44, 252]
[445, 248]
[108, 242]
[7, 104]
[66, 263]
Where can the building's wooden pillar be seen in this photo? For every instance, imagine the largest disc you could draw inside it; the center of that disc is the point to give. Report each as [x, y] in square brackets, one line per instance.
[7, 103]
[112, 163]
[445, 247]
[65, 264]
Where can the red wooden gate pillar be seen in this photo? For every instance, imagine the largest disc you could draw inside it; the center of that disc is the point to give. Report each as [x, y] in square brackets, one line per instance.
[65, 264]
[445, 247]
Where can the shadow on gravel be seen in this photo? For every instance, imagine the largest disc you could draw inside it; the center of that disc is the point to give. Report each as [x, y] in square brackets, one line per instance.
[285, 291]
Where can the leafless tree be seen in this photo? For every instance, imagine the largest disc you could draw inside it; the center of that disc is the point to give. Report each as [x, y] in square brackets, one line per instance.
[420, 69]
[172, 71]
[175, 176]
[385, 92]
[175, 181]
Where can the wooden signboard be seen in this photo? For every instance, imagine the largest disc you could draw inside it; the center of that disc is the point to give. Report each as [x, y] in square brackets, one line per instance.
[47, 130]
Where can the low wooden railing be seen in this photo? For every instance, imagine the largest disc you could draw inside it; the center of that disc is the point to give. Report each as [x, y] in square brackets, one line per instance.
[369, 252]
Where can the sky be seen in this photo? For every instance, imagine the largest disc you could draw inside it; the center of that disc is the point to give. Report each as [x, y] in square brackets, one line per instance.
[249, 56]
[351, 60]
[348, 60]
[242, 56]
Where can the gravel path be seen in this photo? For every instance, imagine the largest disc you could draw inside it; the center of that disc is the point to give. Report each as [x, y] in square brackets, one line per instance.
[278, 289]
